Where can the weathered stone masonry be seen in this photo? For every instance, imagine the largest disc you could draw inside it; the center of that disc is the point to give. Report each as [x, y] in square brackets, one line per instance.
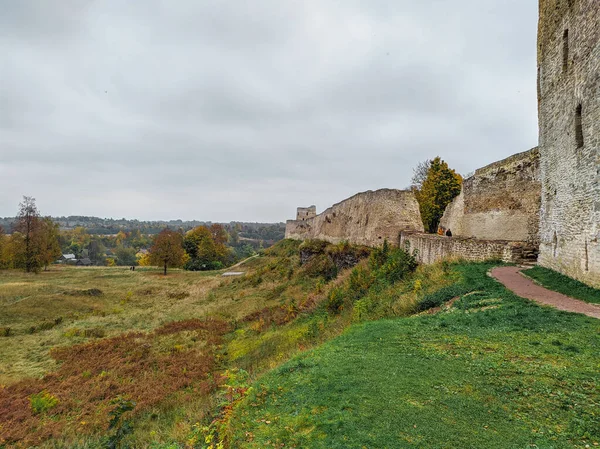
[429, 248]
[367, 218]
[499, 202]
[569, 127]
[306, 213]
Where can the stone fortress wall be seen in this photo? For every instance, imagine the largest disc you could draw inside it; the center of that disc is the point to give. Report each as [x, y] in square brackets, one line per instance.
[569, 137]
[547, 197]
[367, 218]
[499, 202]
[431, 248]
[496, 216]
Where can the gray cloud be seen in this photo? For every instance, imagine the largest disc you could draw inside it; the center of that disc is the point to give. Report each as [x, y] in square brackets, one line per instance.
[243, 110]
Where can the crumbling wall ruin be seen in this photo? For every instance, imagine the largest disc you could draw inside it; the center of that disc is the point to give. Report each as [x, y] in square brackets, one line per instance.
[496, 216]
[367, 218]
[499, 202]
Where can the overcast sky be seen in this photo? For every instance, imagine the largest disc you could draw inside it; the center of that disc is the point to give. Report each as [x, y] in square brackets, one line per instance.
[228, 110]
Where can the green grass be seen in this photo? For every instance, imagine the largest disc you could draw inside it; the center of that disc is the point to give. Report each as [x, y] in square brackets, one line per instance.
[563, 284]
[529, 374]
[494, 371]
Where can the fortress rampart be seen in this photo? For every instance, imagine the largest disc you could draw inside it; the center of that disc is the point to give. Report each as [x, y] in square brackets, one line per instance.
[367, 218]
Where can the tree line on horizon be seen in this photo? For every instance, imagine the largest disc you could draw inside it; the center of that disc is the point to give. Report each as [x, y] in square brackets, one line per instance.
[269, 233]
[36, 242]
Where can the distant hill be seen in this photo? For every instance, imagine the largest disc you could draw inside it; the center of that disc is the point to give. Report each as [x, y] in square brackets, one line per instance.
[106, 226]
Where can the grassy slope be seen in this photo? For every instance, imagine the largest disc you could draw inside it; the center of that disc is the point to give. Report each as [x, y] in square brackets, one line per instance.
[276, 311]
[563, 284]
[495, 371]
[142, 301]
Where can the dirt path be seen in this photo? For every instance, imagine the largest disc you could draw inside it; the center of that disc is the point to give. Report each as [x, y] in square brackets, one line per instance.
[512, 279]
[243, 262]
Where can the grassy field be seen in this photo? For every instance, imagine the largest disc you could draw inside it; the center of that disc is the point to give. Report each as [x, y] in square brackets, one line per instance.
[563, 284]
[91, 336]
[493, 371]
[106, 357]
[57, 308]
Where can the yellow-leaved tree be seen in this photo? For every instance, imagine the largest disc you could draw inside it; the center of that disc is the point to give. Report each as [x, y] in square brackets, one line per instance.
[144, 260]
[206, 248]
[438, 189]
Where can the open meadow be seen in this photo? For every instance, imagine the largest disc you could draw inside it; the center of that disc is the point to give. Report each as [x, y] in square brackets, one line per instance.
[70, 305]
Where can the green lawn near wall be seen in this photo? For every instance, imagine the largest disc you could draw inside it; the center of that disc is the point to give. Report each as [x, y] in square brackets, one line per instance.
[563, 284]
[493, 371]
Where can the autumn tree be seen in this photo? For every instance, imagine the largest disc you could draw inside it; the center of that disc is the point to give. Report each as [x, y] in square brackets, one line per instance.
[47, 241]
[440, 187]
[75, 241]
[206, 248]
[4, 259]
[167, 249]
[144, 260]
[28, 225]
[120, 238]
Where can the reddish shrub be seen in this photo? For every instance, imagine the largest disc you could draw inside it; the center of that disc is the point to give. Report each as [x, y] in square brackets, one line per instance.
[212, 325]
[93, 374]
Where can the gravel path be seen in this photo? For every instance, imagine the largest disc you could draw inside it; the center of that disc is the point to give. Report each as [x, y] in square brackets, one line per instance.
[512, 279]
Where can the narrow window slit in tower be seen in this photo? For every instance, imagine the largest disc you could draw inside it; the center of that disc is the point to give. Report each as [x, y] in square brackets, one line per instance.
[565, 51]
[579, 126]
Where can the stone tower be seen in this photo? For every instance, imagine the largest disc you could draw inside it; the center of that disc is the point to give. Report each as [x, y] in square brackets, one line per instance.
[306, 213]
[569, 126]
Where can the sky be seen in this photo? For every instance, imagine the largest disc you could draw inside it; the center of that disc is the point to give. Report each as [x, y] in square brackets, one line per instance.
[226, 110]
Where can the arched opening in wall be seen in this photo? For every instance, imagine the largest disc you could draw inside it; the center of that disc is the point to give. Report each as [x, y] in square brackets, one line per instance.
[579, 126]
[448, 233]
[565, 60]
[554, 244]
